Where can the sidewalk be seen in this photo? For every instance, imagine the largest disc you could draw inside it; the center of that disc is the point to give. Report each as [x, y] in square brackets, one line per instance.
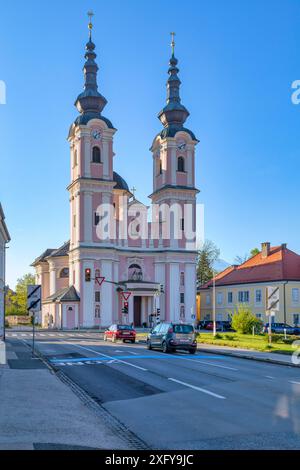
[38, 411]
[274, 358]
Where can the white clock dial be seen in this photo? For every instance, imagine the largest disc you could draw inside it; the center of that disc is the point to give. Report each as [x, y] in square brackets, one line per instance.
[97, 135]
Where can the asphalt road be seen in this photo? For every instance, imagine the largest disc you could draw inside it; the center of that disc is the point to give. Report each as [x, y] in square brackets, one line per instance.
[178, 401]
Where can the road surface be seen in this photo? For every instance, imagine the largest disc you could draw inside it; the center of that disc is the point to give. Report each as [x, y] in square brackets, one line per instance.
[179, 401]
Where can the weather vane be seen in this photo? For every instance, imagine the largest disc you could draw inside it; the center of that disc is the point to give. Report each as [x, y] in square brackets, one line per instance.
[90, 15]
[173, 42]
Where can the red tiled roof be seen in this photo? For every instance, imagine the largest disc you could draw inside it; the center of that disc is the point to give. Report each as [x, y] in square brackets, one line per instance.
[281, 264]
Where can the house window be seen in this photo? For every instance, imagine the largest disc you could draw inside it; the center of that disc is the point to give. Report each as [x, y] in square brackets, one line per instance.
[182, 298]
[244, 296]
[219, 298]
[259, 316]
[180, 164]
[96, 155]
[182, 279]
[258, 296]
[295, 295]
[208, 299]
[296, 319]
[182, 224]
[230, 297]
[64, 273]
[97, 296]
[182, 312]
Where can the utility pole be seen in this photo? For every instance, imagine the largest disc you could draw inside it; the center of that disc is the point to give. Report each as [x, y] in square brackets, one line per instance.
[214, 305]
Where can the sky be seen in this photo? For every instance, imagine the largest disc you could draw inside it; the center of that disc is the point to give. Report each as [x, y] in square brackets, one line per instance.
[237, 62]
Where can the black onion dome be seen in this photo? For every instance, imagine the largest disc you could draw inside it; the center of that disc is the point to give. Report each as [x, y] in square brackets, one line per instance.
[121, 183]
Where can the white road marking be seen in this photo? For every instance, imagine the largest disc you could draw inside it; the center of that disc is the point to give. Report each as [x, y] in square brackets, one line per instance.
[23, 335]
[14, 335]
[213, 365]
[113, 358]
[269, 377]
[203, 390]
[295, 383]
[134, 353]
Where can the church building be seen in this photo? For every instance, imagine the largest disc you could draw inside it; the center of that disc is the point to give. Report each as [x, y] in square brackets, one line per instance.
[94, 281]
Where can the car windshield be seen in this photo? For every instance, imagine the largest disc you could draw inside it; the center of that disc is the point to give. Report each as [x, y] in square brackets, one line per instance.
[184, 329]
[124, 327]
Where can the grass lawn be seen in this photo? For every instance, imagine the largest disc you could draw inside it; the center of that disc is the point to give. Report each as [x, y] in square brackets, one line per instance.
[236, 340]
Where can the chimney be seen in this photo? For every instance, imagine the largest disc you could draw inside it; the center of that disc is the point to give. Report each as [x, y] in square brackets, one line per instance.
[265, 249]
[284, 246]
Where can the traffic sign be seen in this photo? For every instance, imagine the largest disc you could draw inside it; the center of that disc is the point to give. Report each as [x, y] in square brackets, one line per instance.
[273, 297]
[34, 297]
[126, 295]
[100, 280]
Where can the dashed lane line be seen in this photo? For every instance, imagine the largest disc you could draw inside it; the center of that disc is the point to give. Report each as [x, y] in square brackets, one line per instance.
[112, 358]
[213, 365]
[203, 390]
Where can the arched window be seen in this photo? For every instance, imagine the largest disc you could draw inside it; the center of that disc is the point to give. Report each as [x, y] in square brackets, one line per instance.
[182, 313]
[64, 273]
[160, 166]
[135, 273]
[75, 158]
[180, 164]
[96, 155]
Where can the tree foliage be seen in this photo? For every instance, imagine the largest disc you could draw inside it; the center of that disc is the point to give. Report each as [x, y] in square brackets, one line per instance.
[242, 259]
[243, 320]
[16, 302]
[207, 256]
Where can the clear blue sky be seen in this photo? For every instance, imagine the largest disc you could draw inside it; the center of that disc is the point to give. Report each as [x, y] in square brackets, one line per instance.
[237, 62]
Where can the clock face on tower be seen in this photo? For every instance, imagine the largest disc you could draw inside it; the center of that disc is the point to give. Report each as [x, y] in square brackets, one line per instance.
[96, 135]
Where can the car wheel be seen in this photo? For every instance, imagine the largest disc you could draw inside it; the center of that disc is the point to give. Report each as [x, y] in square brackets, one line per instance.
[165, 347]
[192, 351]
[133, 341]
[149, 346]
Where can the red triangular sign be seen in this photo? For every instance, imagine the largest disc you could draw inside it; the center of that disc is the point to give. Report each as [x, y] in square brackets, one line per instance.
[100, 280]
[126, 295]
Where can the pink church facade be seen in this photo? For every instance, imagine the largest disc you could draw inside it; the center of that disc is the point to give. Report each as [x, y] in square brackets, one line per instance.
[158, 270]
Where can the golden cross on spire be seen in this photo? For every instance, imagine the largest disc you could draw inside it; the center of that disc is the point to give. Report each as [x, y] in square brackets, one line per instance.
[173, 42]
[90, 15]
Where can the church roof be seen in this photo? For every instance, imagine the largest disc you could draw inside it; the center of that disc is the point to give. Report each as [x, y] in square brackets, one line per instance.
[62, 251]
[43, 256]
[69, 294]
[121, 183]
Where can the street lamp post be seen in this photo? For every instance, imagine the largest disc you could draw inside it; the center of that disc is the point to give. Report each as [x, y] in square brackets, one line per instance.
[214, 306]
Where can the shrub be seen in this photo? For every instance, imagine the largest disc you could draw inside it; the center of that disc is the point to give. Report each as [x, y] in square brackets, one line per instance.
[218, 336]
[275, 338]
[230, 337]
[243, 320]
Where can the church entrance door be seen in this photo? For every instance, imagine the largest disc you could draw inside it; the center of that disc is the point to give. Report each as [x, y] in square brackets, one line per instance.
[137, 306]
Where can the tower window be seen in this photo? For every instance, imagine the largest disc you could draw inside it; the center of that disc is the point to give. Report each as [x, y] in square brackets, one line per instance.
[180, 164]
[97, 296]
[96, 155]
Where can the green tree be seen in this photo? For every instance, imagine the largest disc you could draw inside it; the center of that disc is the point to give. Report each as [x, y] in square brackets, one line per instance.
[21, 292]
[243, 259]
[254, 252]
[207, 256]
[243, 320]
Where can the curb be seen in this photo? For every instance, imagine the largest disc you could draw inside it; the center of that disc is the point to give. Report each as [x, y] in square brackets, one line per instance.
[250, 358]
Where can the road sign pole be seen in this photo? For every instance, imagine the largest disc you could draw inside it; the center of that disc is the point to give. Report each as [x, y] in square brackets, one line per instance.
[33, 334]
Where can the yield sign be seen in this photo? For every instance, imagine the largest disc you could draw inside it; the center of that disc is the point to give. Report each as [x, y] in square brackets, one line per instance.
[126, 295]
[100, 280]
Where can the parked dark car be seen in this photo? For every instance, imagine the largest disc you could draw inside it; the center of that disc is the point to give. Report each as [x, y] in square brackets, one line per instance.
[279, 328]
[123, 332]
[220, 326]
[173, 336]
